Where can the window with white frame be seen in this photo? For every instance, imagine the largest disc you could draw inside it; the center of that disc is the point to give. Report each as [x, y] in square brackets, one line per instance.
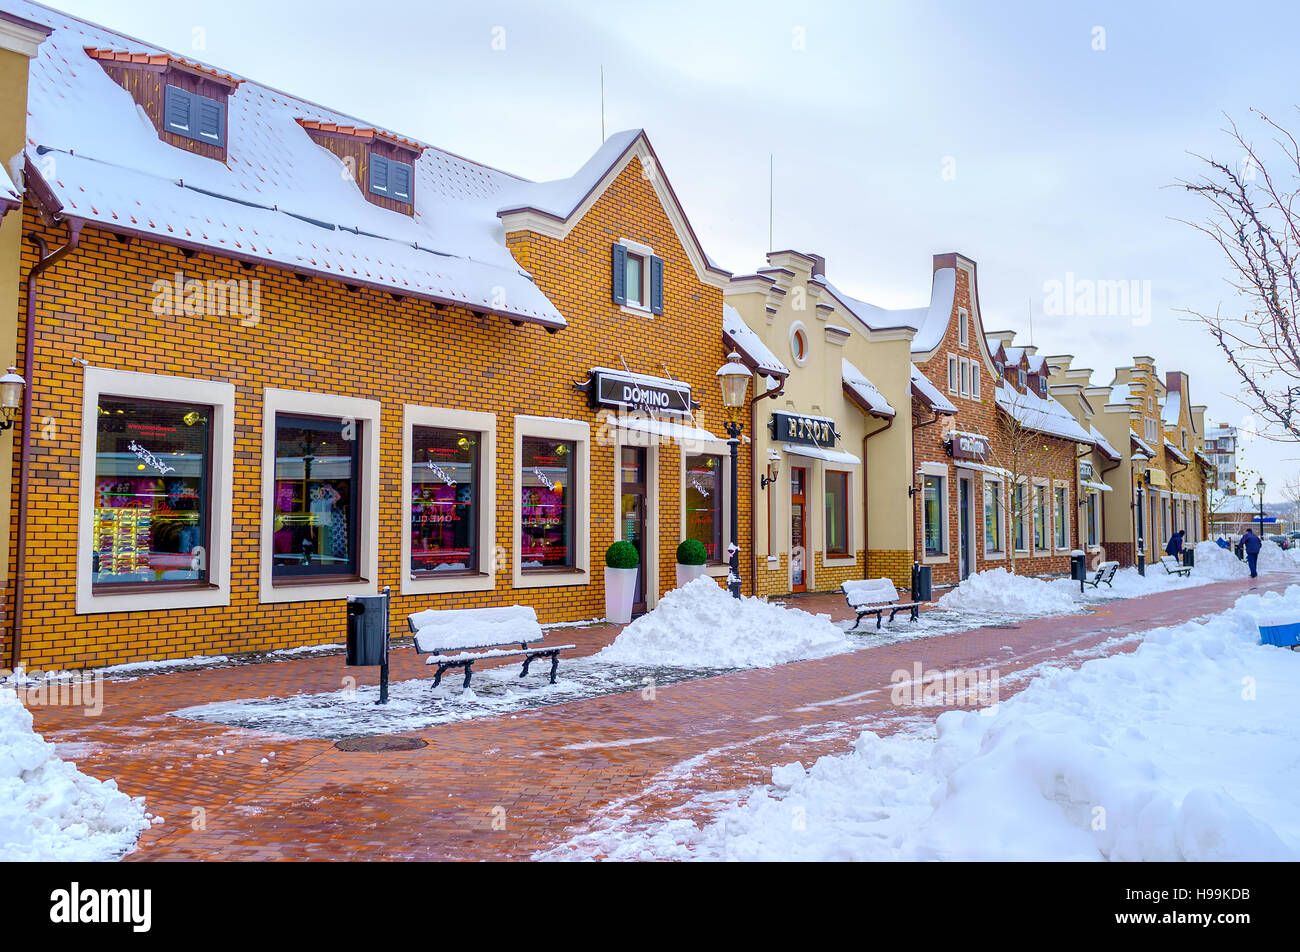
[1061, 517]
[449, 495]
[934, 513]
[1022, 378]
[993, 517]
[156, 492]
[963, 327]
[1040, 517]
[320, 496]
[952, 373]
[1020, 517]
[552, 495]
[1091, 514]
[975, 379]
[964, 367]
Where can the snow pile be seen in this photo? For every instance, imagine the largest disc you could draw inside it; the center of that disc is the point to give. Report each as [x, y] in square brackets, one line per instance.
[1181, 750]
[1215, 562]
[700, 625]
[997, 591]
[49, 810]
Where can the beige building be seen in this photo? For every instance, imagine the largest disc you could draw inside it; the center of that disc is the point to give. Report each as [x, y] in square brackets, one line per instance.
[831, 432]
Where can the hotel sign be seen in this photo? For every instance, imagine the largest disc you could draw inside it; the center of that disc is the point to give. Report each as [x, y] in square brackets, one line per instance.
[1085, 470]
[805, 430]
[970, 446]
[631, 392]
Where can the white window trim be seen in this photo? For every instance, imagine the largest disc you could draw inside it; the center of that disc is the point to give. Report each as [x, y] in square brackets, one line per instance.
[992, 554]
[550, 428]
[941, 470]
[1094, 518]
[795, 328]
[1026, 517]
[963, 327]
[953, 373]
[645, 252]
[1066, 547]
[697, 448]
[963, 376]
[221, 397]
[485, 424]
[840, 561]
[1033, 512]
[367, 412]
[974, 379]
[650, 442]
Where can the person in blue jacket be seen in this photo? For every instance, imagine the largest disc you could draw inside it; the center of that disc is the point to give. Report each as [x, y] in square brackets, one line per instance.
[1175, 545]
[1252, 544]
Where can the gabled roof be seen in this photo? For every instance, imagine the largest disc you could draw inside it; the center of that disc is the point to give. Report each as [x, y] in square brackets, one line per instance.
[162, 60]
[929, 322]
[1103, 445]
[359, 132]
[929, 394]
[863, 392]
[9, 198]
[756, 355]
[279, 199]
[1138, 446]
[1043, 414]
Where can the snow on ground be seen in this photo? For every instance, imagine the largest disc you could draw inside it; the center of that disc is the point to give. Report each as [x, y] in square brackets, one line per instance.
[49, 810]
[701, 625]
[1181, 750]
[997, 591]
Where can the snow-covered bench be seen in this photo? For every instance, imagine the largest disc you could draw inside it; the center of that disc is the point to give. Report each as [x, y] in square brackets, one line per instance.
[1105, 573]
[458, 637]
[1174, 567]
[875, 596]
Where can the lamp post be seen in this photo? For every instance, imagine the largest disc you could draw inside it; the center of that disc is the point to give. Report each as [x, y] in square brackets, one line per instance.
[733, 377]
[11, 397]
[1260, 486]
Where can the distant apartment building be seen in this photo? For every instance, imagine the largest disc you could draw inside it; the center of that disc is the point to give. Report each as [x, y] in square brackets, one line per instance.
[1221, 448]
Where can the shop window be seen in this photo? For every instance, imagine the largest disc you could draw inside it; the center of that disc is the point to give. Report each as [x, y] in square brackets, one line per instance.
[153, 530]
[316, 507]
[932, 512]
[1040, 517]
[704, 503]
[1062, 518]
[445, 500]
[1020, 513]
[547, 504]
[153, 494]
[992, 516]
[1092, 518]
[837, 513]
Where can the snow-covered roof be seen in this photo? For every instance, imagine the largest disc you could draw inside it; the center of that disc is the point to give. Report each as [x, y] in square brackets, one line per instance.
[1171, 408]
[864, 392]
[1175, 452]
[929, 394]
[1014, 354]
[750, 346]
[1044, 414]
[1236, 505]
[929, 322]
[1120, 393]
[1103, 444]
[8, 193]
[279, 198]
[561, 198]
[1137, 444]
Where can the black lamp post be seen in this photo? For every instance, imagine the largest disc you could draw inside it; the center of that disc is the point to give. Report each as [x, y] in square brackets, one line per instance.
[733, 377]
[1260, 486]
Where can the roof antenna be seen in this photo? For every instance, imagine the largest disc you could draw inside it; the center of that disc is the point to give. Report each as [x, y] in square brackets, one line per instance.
[1031, 322]
[771, 189]
[602, 103]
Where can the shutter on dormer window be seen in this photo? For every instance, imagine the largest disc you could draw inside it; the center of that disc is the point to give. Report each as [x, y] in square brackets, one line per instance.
[620, 274]
[178, 108]
[378, 174]
[399, 181]
[210, 119]
[656, 285]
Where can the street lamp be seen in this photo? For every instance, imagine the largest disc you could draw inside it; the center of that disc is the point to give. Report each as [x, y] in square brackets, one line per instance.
[733, 377]
[1260, 486]
[11, 397]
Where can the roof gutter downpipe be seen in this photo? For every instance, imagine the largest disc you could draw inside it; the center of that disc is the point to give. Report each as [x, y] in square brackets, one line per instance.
[47, 260]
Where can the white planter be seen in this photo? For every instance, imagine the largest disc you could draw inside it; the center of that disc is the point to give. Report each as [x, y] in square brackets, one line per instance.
[689, 573]
[620, 589]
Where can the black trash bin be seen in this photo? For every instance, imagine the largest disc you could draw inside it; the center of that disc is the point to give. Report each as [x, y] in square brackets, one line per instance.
[922, 586]
[367, 630]
[1078, 566]
[1189, 558]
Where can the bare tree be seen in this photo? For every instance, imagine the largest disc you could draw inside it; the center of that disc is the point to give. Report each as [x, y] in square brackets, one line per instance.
[1254, 222]
[1020, 451]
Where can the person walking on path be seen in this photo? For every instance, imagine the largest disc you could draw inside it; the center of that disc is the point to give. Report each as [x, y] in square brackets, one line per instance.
[1175, 545]
[1252, 543]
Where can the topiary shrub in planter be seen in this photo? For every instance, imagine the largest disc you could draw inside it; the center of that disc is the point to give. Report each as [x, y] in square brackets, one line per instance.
[621, 561]
[691, 556]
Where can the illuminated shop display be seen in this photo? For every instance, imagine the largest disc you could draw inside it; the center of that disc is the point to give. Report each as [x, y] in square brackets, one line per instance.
[444, 474]
[704, 503]
[152, 487]
[317, 478]
[547, 503]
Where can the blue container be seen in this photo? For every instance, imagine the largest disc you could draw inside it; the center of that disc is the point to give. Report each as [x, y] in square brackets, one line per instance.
[1284, 635]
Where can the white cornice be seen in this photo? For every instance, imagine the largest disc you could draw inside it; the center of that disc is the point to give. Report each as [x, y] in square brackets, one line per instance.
[20, 39]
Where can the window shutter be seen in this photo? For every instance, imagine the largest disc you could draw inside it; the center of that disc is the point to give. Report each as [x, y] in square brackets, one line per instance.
[210, 116]
[399, 181]
[178, 105]
[656, 285]
[378, 174]
[620, 274]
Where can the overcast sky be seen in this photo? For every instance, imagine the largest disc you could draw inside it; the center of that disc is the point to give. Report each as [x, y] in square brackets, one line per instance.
[1041, 139]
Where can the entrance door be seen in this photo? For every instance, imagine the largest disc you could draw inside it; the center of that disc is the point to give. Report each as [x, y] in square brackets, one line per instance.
[632, 514]
[798, 577]
[964, 525]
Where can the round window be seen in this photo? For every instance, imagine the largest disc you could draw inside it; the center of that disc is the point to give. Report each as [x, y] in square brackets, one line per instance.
[799, 343]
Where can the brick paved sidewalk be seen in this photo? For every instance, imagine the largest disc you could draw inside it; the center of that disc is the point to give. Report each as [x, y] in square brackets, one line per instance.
[506, 787]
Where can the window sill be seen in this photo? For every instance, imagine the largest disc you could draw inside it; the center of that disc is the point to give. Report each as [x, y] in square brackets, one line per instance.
[448, 583]
[300, 581]
[633, 310]
[550, 577]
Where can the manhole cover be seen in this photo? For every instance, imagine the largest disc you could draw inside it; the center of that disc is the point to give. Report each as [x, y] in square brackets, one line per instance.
[1009, 627]
[374, 745]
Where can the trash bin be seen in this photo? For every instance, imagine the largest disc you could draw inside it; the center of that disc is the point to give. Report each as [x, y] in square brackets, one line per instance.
[922, 587]
[1189, 558]
[1078, 565]
[367, 630]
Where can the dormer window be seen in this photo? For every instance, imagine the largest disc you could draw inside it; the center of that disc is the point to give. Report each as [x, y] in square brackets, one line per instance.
[186, 102]
[1023, 377]
[382, 164]
[1042, 385]
[193, 116]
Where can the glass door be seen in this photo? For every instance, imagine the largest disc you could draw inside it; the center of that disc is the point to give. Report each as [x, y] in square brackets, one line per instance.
[798, 479]
[632, 514]
[963, 525]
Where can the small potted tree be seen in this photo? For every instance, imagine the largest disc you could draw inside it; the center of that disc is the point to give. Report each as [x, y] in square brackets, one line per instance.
[621, 561]
[691, 557]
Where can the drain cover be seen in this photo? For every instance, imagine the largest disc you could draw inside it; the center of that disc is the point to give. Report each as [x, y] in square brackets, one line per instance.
[374, 745]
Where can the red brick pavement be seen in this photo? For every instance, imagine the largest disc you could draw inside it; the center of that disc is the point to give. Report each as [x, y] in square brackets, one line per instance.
[505, 787]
